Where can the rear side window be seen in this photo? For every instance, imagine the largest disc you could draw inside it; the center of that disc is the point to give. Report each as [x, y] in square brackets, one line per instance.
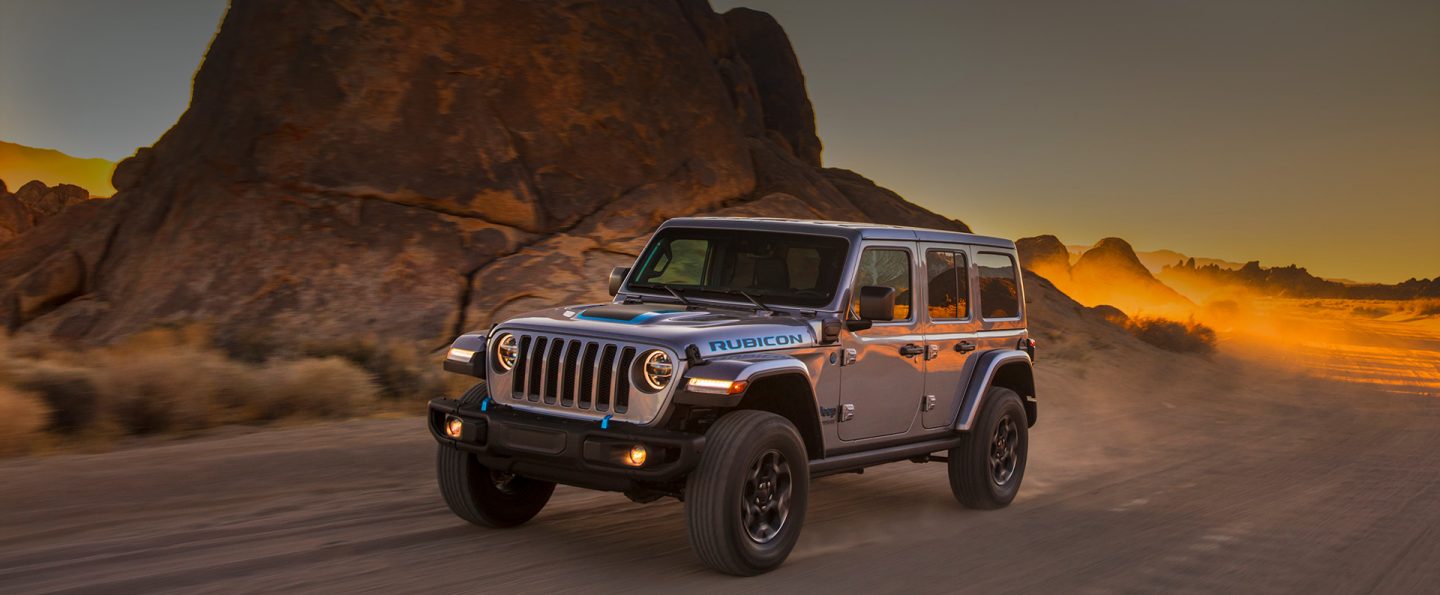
[999, 286]
[885, 267]
[948, 276]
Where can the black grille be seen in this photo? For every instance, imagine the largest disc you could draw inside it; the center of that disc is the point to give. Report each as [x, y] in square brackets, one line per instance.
[572, 373]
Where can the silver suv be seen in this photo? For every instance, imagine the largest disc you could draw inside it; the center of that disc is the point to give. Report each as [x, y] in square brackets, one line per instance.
[739, 359]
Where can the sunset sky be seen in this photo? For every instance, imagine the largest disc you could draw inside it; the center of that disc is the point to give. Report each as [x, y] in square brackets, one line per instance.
[1304, 131]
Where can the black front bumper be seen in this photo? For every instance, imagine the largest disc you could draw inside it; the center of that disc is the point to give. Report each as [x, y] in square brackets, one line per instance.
[568, 451]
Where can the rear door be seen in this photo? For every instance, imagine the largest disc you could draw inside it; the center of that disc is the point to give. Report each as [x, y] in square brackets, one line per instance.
[951, 331]
[882, 388]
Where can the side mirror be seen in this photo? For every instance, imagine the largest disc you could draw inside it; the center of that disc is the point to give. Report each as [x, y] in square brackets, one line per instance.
[877, 303]
[617, 278]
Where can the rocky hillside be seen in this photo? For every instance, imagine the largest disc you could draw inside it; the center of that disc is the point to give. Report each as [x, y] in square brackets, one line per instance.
[412, 170]
[33, 204]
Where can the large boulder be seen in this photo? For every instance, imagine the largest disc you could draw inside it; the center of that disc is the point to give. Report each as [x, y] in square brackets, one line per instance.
[412, 170]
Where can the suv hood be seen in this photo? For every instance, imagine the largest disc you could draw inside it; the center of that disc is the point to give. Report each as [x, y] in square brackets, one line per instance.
[715, 331]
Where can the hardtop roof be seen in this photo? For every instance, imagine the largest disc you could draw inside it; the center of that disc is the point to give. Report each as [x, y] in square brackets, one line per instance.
[848, 229]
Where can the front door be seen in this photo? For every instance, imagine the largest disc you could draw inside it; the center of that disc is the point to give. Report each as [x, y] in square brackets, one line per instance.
[884, 383]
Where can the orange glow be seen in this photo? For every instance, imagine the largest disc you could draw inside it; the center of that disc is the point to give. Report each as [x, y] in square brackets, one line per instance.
[20, 164]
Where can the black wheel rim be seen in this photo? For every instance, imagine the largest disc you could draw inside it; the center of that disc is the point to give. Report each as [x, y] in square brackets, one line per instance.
[1004, 451]
[765, 499]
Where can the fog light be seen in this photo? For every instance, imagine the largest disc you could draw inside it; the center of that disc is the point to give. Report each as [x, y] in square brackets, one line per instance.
[453, 427]
[636, 456]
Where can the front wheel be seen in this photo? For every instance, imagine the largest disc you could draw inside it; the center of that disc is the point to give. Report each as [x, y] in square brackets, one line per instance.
[986, 469]
[745, 502]
[481, 495]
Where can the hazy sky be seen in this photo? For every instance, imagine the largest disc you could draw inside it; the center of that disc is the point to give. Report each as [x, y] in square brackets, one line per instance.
[1303, 131]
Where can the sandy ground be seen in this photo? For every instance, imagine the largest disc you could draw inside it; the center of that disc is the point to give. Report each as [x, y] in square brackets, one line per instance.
[1182, 474]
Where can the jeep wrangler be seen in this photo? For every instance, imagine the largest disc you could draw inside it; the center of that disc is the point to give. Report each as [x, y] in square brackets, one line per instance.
[739, 359]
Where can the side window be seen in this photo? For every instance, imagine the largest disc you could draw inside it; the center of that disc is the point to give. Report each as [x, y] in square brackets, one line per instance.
[888, 267]
[949, 284]
[683, 264]
[999, 286]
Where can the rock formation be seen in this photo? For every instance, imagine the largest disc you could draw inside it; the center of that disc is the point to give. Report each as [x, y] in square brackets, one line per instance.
[410, 171]
[1044, 254]
[33, 204]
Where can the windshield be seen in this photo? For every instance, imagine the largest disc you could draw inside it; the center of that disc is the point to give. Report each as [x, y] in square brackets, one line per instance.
[784, 269]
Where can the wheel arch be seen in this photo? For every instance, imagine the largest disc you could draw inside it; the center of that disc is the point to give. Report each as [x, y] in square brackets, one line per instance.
[789, 395]
[1008, 368]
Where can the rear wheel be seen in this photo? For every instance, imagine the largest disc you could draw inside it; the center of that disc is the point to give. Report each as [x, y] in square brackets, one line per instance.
[481, 495]
[987, 467]
[745, 502]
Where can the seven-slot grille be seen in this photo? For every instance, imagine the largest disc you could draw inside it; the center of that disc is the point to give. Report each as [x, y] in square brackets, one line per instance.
[573, 373]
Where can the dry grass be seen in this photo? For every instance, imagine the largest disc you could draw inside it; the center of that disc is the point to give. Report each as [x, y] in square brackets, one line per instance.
[324, 387]
[22, 421]
[166, 381]
[1170, 335]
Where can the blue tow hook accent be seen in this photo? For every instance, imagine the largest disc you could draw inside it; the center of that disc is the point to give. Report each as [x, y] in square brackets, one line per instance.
[484, 405]
[605, 423]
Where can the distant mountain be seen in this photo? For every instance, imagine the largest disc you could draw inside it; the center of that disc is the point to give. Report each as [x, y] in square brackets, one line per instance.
[1157, 260]
[1290, 281]
[20, 164]
[1108, 273]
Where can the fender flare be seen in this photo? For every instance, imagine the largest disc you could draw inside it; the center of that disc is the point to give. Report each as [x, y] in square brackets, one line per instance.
[736, 369]
[475, 364]
[985, 369]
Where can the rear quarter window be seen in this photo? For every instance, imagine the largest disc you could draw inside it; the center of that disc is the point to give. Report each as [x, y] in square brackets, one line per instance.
[999, 286]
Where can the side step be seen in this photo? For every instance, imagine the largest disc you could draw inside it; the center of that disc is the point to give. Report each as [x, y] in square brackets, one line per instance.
[869, 458]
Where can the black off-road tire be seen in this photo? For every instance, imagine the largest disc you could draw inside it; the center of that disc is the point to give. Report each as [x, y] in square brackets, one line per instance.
[973, 465]
[735, 447]
[483, 497]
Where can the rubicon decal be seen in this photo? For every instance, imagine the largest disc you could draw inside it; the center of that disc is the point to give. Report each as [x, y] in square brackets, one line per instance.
[753, 342]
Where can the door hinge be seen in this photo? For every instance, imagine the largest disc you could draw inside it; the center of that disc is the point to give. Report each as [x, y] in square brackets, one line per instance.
[932, 351]
[928, 403]
[848, 358]
[847, 412]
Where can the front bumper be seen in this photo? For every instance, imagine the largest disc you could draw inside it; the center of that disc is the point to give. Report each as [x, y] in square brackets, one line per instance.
[568, 451]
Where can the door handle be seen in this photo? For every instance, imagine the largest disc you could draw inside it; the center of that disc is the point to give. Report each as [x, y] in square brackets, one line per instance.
[911, 350]
[964, 347]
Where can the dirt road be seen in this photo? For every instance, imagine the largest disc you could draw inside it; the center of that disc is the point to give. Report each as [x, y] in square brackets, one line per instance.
[1193, 475]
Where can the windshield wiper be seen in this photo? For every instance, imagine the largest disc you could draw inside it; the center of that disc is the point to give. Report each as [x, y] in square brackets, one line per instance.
[666, 288]
[758, 303]
[676, 293]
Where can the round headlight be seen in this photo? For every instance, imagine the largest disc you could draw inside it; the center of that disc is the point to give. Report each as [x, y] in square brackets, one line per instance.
[507, 350]
[656, 369]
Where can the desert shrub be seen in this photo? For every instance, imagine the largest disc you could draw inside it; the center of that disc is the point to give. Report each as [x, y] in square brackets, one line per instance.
[400, 370]
[1111, 314]
[22, 420]
[315, 387]
[68, 392]
[170, 389]
[1170, 335]
[1425, 307]
[1370, 311]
